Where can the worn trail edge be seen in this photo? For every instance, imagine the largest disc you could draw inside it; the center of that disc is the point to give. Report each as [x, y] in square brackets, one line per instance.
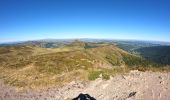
[135, 85]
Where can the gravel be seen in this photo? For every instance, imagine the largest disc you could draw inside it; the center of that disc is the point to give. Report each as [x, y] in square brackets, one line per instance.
[135, 85]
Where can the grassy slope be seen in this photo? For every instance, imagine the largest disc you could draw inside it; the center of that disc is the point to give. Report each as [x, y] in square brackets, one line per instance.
[158, 54]
[33, 67]
[20, 66]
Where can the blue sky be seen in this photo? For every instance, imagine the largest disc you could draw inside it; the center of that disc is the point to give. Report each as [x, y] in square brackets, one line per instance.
[114, 19]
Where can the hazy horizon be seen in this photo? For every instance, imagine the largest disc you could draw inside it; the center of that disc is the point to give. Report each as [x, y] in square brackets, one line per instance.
[111, 39]
[23, 20]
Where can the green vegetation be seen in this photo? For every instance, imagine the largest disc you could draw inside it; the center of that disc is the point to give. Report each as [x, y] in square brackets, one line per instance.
[132, 46]
[158, 54]
[105, 73]
[112, 58]
[26, 66]
[93, 75]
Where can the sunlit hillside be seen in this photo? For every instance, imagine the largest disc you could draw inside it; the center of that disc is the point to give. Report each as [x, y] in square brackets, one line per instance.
[26, 66]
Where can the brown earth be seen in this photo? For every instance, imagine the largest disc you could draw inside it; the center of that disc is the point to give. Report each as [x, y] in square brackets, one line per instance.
[135, 85]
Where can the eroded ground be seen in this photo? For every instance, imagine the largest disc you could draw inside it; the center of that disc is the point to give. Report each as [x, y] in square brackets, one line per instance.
[132, 86]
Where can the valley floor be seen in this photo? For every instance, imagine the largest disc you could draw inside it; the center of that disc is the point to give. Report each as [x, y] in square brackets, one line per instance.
[135, 85]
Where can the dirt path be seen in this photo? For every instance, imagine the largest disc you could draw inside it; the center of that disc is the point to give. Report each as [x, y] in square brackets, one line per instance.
[132, 86]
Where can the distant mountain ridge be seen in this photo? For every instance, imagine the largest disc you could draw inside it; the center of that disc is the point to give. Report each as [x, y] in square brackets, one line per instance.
[57, 41]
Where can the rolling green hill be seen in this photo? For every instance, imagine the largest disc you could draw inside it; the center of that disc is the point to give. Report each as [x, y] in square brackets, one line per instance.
[28, 66]
[158, 54]
[133, 45]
